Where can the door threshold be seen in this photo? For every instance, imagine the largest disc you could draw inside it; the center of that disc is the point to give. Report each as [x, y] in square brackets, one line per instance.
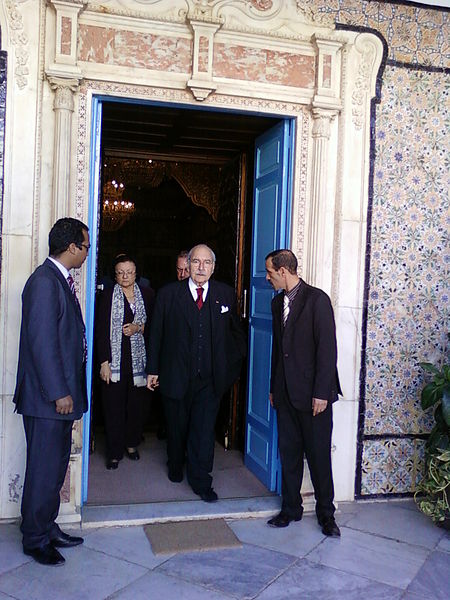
[160, 512]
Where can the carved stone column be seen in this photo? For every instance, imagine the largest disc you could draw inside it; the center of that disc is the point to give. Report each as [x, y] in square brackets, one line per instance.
[322, 119]
[63, 106]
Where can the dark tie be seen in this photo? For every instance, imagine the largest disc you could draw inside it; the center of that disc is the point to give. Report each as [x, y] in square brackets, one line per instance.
[71, 283]
[199, 300]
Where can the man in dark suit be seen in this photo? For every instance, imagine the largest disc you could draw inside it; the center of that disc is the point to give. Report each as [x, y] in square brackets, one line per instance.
[304, 384]
[51, 386]
[195, 354]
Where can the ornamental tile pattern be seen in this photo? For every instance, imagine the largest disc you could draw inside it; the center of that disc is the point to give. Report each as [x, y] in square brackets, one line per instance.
[413, 34]
[408, 304]
[391, 466]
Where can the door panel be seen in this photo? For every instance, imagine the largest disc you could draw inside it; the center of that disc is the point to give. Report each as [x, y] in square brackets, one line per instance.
[94, 194]
[271, 210]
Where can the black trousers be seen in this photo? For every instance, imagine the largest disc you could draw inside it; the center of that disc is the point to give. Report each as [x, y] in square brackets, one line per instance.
[300, 434]
[123, 410]
[191, 432]
[48, 453]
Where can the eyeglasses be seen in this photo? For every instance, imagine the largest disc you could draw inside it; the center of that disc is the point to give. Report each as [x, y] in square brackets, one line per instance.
[85, 246]
[125, 273]
[197, 262]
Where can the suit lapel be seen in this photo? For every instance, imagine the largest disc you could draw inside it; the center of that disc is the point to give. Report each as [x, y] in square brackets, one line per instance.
[214, 301]
[70, 297]
[184, 300]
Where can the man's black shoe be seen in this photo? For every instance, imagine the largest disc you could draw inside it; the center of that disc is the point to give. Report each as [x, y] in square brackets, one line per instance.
[282, 520]
[47, 555]
[112, 465]
[330, 528]
[208, 495]
[133, 455]
[64, 540]
[175, 475]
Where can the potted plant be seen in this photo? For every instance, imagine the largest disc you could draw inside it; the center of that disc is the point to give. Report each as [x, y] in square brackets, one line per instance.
[433, 493]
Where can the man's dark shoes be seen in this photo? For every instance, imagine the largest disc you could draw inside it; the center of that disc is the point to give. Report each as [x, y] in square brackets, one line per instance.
[47, 555]
[111, 465]
[133, 455]
[282, 519]
[175, 475]
[64, 540]
[330, 528]
[208, 495]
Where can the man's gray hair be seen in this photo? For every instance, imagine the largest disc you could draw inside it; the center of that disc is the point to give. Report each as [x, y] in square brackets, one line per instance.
[201, 246]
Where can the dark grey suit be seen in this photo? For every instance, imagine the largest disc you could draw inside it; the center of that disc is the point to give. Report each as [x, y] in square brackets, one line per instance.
[304, 359]
[51, 366]
[191, 393]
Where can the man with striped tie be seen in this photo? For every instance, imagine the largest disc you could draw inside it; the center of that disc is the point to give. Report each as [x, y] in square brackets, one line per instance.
[304, 384]
[51, 386]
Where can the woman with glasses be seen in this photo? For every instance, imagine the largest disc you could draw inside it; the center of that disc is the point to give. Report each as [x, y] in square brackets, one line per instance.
[122, 326]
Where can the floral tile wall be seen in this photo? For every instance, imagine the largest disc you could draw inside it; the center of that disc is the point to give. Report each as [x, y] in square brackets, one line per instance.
[408, 304]
[391, 466]
[408, 297]
[414, 35]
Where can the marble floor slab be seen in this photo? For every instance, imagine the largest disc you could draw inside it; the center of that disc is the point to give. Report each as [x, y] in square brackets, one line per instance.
[298, 539]
[306, 580]
[11, 555]
[129, 543]
[241, 573]
[377, 558]
[433, 579]
[397, 523]
[85, 575]
[161, 586]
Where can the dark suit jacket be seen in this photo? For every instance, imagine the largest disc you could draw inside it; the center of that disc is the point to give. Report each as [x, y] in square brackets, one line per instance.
[169, 353]
[304, 352]
[103, 322]
[51, 362]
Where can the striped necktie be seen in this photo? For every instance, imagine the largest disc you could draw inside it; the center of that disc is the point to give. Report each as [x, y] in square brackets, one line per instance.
[199, 300]
[285, 308]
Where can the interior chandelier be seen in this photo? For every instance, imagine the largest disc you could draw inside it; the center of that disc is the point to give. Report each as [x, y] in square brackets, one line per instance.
[116, 210]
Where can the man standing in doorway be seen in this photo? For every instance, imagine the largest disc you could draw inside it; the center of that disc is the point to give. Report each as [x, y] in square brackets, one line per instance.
[304, 384]
[182, 265]
[195, 353]
[51, 386]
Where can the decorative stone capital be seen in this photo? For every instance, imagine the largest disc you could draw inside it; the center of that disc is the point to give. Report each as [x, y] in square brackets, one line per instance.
[65, 51]
[321, 122]
[64, 90]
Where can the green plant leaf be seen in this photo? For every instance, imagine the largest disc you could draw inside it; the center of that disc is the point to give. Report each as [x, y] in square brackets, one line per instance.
[446, 371]
[446, 404]
[430, 395]
[427, 366]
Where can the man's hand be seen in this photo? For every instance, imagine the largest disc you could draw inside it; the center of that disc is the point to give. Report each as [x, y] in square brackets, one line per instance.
[64, 406]
[105, 372]
[152, 382]
[271, 400]
[318, 406]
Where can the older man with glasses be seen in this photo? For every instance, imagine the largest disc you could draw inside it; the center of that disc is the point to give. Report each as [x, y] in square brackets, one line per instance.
[195, 354]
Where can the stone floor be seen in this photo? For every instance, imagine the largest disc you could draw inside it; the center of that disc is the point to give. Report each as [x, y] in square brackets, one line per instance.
[388, 550]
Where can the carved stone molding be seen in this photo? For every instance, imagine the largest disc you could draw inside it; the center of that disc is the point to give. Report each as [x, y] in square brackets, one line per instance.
[63, 106]
[319, 176]
[19, 40]
[366, 47]
[321, 122]
[64, 90]
[202, 82]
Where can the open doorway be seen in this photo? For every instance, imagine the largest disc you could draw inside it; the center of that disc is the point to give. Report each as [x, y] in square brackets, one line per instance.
[187, 177]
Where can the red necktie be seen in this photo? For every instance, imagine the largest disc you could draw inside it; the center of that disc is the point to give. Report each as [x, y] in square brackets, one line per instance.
[199, 300]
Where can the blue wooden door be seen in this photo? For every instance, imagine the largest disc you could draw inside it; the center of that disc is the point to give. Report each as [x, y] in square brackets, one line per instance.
[94, 191]
[271, 223]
